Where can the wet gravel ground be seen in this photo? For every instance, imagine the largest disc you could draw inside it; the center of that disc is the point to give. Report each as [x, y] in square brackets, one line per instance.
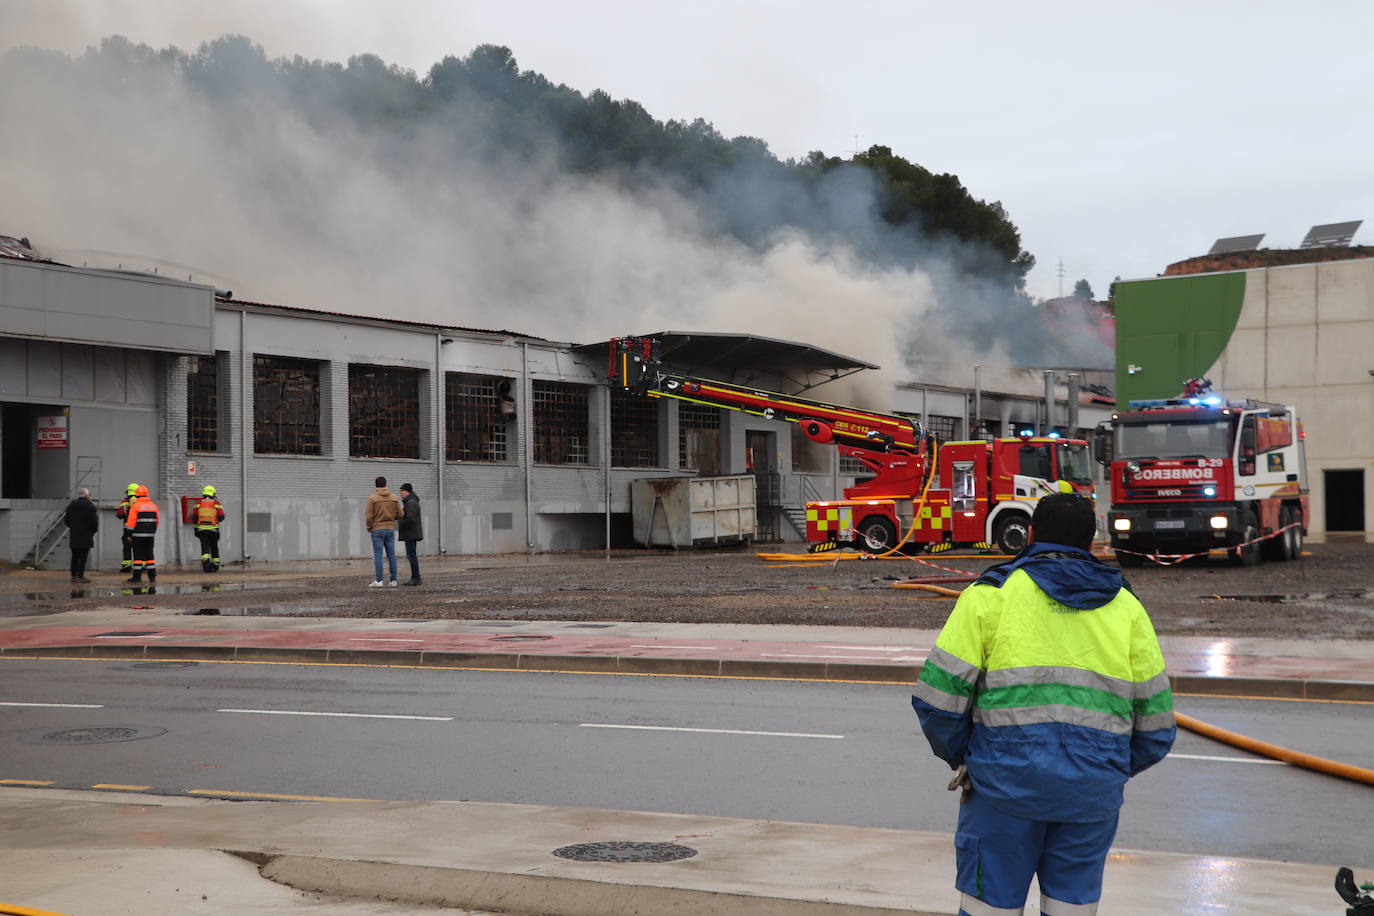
[1328, 594]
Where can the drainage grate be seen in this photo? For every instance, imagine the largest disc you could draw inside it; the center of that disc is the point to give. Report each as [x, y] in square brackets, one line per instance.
[588, 626]
[625, 852]
[127, 633]
[100, 735]
[159, 666]
[517, 638]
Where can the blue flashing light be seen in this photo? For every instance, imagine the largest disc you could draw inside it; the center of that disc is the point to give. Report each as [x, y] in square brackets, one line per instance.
[1053, 434]
[1212, 401]
[1026, 432]
[1209, 491]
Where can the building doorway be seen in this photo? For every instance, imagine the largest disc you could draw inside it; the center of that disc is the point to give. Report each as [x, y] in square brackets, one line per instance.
[1344, 499]
[760, 449]
[16, 451]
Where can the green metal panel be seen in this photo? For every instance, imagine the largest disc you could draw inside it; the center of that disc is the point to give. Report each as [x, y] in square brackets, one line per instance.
[1173, 329]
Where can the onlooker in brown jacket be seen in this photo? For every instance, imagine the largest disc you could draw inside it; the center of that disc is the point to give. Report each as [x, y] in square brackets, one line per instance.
[383, 509]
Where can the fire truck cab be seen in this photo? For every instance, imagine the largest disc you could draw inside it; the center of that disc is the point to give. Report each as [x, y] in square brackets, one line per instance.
[1196, 473]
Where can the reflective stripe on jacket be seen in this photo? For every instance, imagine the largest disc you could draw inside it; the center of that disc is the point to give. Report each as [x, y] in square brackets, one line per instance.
[143, 519]
[1052, 707]
[208, 513]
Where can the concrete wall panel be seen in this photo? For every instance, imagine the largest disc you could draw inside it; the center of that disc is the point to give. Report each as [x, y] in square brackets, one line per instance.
[1292, 295]
[1345, 291]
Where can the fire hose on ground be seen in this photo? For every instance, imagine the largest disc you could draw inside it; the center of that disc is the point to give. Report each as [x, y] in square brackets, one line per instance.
[1278, 752]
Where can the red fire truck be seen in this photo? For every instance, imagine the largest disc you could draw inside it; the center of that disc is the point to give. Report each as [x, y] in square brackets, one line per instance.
[984, 491]
[1195, 473]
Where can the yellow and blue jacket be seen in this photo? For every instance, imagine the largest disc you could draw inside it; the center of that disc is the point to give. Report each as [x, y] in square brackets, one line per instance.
[1047, 681]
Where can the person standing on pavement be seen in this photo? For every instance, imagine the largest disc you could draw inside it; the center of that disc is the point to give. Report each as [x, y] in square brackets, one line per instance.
[383, 510]
[126, 544]
[1045, 691]
[142, 524]
[82, 521]
[411, 531]
[208, 514]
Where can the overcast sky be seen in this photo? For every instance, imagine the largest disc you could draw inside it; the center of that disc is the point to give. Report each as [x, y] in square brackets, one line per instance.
[1119, 139]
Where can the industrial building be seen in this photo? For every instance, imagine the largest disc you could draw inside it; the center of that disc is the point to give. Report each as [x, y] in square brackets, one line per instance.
[512, 442]
[1291, 326]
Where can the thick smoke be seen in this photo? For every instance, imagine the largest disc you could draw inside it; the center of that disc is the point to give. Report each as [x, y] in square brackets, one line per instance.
[121, 151]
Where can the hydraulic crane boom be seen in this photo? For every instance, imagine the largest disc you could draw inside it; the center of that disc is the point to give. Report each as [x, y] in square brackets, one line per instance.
[635, 365]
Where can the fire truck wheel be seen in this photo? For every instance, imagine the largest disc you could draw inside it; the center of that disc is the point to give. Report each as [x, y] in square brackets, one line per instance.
[1292, 538]
[1012, 534]
[1249, 555]
[876, 534]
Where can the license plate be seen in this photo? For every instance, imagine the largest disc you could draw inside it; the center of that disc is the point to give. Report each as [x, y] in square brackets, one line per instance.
[1171, 523]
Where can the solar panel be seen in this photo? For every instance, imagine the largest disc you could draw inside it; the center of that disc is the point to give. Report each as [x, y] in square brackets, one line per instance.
[1331, 235]
[1236, 243]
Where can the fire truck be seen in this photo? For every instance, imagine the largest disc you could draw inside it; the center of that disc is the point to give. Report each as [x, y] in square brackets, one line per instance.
[1196, 473]
[983, 492]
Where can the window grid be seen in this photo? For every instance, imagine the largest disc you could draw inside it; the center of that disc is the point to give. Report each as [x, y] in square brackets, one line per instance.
[475, 427]
[286, 406]
[562, 428]
[853, 467]
[634, 430]
[942, 427]
[202, 404]
[693, 417]
[383, 412]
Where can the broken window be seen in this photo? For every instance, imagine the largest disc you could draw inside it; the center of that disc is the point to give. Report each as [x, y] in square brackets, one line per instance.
[286, 406]
[383, 412]
[478, 412]
[808, 455]
[943, 427]
[698, 438]
[562, 426]
[202, 403]
[634, 430]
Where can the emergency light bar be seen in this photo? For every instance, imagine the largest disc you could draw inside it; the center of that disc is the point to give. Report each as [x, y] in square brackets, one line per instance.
[1209, 401]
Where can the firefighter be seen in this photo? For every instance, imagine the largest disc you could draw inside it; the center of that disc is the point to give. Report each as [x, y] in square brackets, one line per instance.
[126, 546]
[207, 515]
[141, 525]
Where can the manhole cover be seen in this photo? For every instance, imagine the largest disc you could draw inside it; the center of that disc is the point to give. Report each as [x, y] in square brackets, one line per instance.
[625, 852]
[113, 633]
[107, 734]
[158, 666]
[517, 638]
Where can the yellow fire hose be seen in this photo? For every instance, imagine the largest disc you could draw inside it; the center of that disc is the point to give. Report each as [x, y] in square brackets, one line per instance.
[1288, 755]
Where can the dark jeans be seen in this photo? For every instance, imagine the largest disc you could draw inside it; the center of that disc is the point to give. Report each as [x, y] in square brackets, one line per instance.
[79, 557]
[413, 559]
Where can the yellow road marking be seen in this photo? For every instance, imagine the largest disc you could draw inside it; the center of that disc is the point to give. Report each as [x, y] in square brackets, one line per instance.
[228, 794]
[115, 785]
[26, 782]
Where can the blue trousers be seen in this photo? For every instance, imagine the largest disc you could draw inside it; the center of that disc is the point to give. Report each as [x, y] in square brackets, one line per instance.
[997, 854]
[383, 540]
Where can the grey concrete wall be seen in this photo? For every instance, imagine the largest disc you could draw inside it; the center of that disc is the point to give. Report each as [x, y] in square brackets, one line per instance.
[56, 303]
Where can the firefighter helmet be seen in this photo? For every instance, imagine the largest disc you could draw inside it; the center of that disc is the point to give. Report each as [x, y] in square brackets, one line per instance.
[208, 491]
[141, 491]
[131, 489]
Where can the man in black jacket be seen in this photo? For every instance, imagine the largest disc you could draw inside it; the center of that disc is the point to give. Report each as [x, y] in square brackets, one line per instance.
[410, 530]
[82, 522]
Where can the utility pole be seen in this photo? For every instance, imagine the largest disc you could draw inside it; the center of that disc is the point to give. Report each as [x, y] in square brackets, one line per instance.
[1061, 278]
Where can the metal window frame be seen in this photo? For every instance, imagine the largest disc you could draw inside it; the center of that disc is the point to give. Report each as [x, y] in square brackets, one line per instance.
[475, 428]
[384, 411]
[298, 435]
[204, 402]
[634, 431]
[561, 419]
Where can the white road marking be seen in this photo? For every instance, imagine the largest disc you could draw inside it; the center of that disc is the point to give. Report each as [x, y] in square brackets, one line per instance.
[712, 731]
[59, 705]
[875, 648]
[342, 715]
[1280, 763]
[674, 647]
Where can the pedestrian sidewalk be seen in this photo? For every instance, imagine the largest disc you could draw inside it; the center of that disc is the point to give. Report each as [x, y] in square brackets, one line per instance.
[94, 854]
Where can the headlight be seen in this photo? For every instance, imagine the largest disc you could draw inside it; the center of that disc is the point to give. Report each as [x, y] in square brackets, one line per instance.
[1121, 524]
[1219, 521]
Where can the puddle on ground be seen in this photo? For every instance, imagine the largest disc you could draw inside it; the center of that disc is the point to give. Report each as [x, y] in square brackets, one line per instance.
[258, 611]
[31, 604]
[1343, 595]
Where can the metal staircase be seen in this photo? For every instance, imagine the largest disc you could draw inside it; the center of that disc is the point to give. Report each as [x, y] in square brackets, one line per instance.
[51, 531]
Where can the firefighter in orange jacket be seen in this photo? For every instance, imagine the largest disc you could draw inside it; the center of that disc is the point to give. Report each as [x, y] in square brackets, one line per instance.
[126, 546]
[141, 526]
[207, 515]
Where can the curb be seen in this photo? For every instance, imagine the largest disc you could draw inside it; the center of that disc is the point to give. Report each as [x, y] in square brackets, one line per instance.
[1201, 685]
[535, 895]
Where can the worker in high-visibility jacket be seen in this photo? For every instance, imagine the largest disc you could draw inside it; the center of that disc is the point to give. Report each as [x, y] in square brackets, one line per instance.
[142, 524]
[126, 544]
[1045, 691]
[207, 514]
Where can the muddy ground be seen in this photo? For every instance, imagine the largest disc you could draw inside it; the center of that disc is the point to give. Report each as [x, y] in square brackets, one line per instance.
[1328, 594]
